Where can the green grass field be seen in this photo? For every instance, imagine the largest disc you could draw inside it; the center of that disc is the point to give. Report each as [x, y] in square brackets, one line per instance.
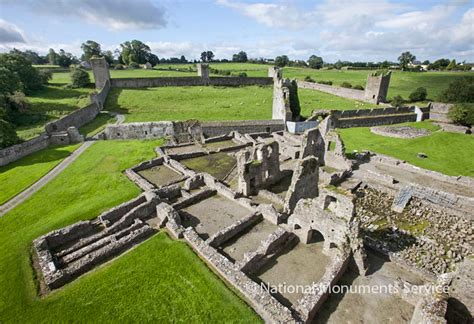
[312, 100]
[182, 103]
[19, 175]
[448, 153]
[97, 124]
[160, 280]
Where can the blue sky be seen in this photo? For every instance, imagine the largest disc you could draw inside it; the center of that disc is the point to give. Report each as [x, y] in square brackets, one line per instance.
[364, 30]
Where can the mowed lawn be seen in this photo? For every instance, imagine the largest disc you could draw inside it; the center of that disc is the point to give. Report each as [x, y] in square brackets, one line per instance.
[448, 153]
[19, 175]
[182, 103]
[161, 280]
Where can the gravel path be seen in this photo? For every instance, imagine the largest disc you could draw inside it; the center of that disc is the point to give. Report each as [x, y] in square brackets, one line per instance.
[18, 199]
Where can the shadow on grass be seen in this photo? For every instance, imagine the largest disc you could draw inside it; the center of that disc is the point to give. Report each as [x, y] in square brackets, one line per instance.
[48, 155]
[112, 103]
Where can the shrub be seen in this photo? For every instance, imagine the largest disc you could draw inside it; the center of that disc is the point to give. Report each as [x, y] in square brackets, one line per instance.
[79, 78]
[358, 87]
[8, 134]
[45, 75]
[325, 82]
[25, 72]
[397, 101]
[18, 101]
[418, 95]
[460, 90]
[242, 75]
[119, 67]
[308, 79]
[134, 65]
[462, 113]
[346, 84]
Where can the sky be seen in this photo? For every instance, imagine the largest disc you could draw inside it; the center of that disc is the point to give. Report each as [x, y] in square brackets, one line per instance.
[362, 30]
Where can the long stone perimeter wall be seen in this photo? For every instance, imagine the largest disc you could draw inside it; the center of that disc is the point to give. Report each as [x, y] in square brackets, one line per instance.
[188, 81]
[216, 128]
[77, 118]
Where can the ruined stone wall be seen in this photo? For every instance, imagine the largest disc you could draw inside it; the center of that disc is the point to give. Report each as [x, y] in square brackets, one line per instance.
[281, 99]
[15, 152]
[211, 129]
[439, 112]
[188, 81]
[374, 117]
[147, 130]
[376, 88]
[100, 69]
[338, 91]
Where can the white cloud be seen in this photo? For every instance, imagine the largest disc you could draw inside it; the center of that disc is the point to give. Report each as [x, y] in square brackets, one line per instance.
[10, 33]
[113, 14]
[272, 15]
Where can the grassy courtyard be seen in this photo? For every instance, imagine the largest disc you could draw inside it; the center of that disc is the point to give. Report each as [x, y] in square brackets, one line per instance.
[182, 103]
[19, 175]
[159, 280]
[448, 153]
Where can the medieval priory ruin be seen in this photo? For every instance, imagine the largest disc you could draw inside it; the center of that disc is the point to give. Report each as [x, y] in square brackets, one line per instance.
[278, 203]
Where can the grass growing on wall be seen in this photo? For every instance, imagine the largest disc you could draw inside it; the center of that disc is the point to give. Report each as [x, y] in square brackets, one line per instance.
[160, 280]
[448, 153]
[19, 175]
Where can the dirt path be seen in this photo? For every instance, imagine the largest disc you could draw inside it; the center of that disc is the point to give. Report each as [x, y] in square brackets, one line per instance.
[18, 199]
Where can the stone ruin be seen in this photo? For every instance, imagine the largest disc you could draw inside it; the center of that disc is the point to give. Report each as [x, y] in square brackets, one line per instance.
[376, 88]
[266, 208]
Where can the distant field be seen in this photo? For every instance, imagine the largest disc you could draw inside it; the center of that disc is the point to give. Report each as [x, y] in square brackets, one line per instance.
[182, 103]
[313, 100]
[159, 280]
[448, 153]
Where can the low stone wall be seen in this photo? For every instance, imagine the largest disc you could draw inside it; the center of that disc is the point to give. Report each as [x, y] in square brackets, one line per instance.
[338, 91]
[371, 112]
[439, 112]
[148, 130]
[374, 120]
[16, 152]
[189, 81]
[216, 128]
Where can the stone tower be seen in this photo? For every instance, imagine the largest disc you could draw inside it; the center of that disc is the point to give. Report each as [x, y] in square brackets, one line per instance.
[203, 70]
[376, 88]
[100, 68]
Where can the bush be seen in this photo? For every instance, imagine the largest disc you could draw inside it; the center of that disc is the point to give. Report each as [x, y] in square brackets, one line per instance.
[462, 113]
[18, 101]
[397, 101]
[325, 82]
[119, 67]
[358, 87]
[242, 75]
[346, 84]
[308, 79]
[418, 95]
[460, 90]
[8, 134]
[26, 73]
[79, 78]
[134, 65]
[45, 76]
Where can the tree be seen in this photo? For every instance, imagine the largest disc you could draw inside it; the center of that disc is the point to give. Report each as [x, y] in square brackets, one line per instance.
[315, 62]
[240, 57]
[79, 78]
[204, 57]
[397, 101]
[29, 77]
[136, 52]
[460, 90]
[282, 60]
[8, 134]
[182, 59]
[52, 57]
[209, 56]
[90, 48]
[406, 58]
[65, 59]
[108, 56]
[426, 62]
[152, 58]
[451, 65]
